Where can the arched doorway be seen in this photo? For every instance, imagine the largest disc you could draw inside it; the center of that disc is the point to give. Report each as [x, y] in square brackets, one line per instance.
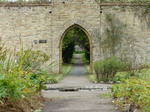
[90, 42]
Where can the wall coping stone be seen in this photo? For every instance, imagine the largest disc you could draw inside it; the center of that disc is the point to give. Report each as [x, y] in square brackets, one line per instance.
[30, 4]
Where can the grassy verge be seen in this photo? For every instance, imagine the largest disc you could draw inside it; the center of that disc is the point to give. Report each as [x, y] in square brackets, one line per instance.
[92, 78]
[87, 69]
[105, 96]
[72, 60]
[66, 68]
[84, 60]
[55, 78]
[78, 52]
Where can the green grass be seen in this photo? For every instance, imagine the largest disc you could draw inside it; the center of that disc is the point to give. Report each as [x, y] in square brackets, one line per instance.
[55, 78]
[105, 96]
[72, 60]
[84, 60]
[78, 52]
[66, 68]
[87, 69]
[92, 78]
[146, 71]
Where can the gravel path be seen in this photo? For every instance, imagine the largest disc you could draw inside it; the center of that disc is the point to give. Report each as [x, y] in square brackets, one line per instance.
[81, 100]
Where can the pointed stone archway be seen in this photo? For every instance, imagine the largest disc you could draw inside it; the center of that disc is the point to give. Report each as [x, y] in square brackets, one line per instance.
[90, 42]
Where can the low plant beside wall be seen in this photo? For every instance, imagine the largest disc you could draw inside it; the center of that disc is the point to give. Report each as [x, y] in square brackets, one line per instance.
[106, 69]
[134, 91]
[21, 80]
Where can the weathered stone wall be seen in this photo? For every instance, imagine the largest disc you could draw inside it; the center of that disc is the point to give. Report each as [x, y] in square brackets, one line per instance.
[134, 44]
[49, 22]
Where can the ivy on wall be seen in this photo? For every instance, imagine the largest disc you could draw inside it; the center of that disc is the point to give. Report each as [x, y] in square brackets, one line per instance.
[113, 33]
[142, 10]
[143, 13]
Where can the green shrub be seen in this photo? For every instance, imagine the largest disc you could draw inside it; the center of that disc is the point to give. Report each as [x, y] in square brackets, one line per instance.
[107, 68]
[9, 89]
[67, 51]
[21, 75]
[134, 91]
[121, 75]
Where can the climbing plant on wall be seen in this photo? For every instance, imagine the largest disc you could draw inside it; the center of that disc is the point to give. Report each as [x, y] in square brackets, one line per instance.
[142, 11]
[113, 33]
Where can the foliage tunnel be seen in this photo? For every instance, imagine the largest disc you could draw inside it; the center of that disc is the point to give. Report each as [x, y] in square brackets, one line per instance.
[75, 36]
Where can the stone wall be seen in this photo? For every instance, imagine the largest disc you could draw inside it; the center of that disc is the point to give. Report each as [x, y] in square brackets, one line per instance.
[136, 34]
[29, 24]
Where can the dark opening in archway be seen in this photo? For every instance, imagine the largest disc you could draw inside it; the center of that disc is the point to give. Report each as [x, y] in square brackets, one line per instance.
[75, 42]
[76, 39]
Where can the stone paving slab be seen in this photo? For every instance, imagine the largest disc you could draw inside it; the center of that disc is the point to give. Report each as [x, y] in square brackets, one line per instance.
[79, 105]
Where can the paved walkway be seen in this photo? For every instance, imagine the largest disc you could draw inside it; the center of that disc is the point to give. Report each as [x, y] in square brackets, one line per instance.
[78, 101]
